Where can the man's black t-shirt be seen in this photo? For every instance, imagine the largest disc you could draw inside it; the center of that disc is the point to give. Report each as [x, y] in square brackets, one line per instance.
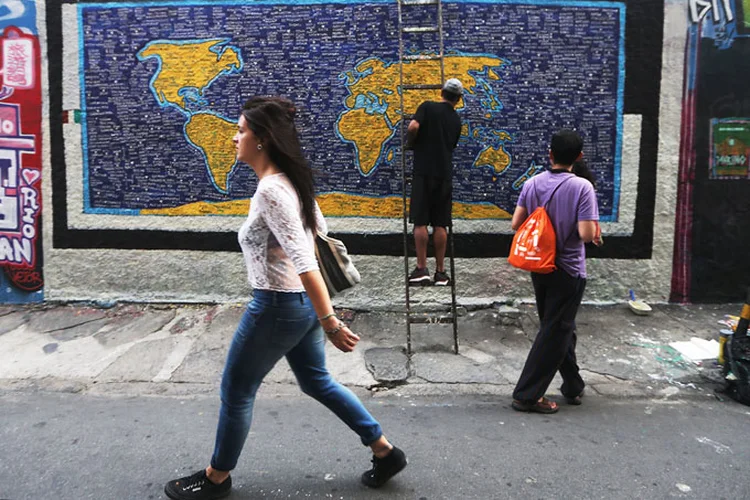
[439, 130]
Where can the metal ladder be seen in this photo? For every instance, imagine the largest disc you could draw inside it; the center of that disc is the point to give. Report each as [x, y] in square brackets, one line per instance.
[422, 317]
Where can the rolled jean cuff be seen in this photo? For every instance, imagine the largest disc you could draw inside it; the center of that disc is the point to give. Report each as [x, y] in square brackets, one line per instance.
[218, 468]
[375, 433]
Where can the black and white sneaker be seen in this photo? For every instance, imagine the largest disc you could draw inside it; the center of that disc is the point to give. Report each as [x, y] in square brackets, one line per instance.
[419, 276]
[197, 487]
[384, 468]
[441, 279]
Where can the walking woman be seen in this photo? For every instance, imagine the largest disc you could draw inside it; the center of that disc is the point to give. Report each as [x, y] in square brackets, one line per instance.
[290, 309]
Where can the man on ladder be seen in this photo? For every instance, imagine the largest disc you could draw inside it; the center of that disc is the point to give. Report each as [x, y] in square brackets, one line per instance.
[433, 133]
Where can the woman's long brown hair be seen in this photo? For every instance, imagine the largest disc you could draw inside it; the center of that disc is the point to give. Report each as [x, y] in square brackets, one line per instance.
[272, 120]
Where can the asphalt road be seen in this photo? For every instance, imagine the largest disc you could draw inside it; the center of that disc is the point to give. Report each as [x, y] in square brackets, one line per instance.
[68, 446]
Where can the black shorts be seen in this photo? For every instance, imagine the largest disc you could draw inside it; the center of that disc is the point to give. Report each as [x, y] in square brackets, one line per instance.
[431, 201]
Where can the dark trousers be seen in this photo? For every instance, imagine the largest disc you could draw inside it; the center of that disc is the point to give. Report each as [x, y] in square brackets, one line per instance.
[558, 296]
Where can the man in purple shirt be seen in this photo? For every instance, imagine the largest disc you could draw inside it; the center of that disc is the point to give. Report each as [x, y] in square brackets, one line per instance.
[574, 214]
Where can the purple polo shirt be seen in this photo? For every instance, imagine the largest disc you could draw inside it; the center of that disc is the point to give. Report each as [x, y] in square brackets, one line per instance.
[574, 201]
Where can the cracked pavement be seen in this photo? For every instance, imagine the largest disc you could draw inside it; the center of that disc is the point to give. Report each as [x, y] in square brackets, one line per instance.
[180, 349]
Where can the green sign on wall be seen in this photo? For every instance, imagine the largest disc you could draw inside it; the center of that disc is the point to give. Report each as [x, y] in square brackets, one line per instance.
[730, 147]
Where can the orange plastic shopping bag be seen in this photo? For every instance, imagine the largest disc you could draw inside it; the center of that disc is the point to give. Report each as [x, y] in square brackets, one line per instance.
[534, 244]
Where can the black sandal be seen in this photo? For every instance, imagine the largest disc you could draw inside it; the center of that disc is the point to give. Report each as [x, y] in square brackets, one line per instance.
[574, 401]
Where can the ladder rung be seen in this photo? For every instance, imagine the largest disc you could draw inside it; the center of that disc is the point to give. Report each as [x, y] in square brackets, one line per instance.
[422, 86]
[427, 320]
[420, 2]
[424, 57]
[421, 29]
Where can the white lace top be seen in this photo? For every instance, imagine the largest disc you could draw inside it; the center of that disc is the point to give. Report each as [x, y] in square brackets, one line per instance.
[276, 246]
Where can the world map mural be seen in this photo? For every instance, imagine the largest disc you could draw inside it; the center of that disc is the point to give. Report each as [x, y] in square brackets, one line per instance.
[170, 80]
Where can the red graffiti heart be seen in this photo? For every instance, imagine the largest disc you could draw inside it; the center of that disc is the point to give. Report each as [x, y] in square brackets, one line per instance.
[30, 176]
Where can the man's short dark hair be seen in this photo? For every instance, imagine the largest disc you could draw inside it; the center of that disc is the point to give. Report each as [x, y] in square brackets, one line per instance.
[566, 145]
[450, 96]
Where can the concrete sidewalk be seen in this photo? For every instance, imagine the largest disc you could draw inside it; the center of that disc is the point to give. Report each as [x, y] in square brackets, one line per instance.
[180, 350]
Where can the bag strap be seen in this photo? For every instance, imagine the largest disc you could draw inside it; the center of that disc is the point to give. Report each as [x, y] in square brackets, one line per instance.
[555, 190]
[550, 199]
[536, 193]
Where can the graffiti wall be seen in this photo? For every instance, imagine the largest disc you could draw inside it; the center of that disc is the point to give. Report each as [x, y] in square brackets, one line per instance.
[20, 154]
[712, 242]
[144, 99]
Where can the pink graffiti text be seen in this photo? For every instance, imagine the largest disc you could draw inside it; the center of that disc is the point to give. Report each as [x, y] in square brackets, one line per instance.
[18, 63]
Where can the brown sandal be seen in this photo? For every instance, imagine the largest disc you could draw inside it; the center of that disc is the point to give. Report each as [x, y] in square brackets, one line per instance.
[542, 406]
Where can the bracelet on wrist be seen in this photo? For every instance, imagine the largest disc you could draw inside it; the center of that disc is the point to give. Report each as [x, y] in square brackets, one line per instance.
[334, 331]
[329, 315]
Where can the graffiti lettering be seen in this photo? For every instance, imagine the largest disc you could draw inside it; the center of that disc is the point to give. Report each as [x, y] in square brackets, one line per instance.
[28, 215]
[27, 277]
[700, 8]
[7, 127]
[15, 74]
[30, 207]
[18, 59]
[729, 160]
[29, 198]
[28, 231]
[20, 165]
[16, 251]
[21, 204]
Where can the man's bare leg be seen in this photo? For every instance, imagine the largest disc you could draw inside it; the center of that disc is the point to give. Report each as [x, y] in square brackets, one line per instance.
[440, 238]
[421, 238]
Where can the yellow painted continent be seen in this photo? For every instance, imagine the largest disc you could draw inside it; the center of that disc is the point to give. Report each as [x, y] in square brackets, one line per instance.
[368, 132]
[502, 135]
[234, 207]
[348, 205]
[490, 156]
[386, 77]
[337, 205]
[213, 136]
[187, 65]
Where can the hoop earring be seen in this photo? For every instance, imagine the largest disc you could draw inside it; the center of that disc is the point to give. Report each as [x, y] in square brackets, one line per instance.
[260, 146]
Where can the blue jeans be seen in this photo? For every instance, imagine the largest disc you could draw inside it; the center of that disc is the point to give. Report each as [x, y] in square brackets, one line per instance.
[274, 325]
